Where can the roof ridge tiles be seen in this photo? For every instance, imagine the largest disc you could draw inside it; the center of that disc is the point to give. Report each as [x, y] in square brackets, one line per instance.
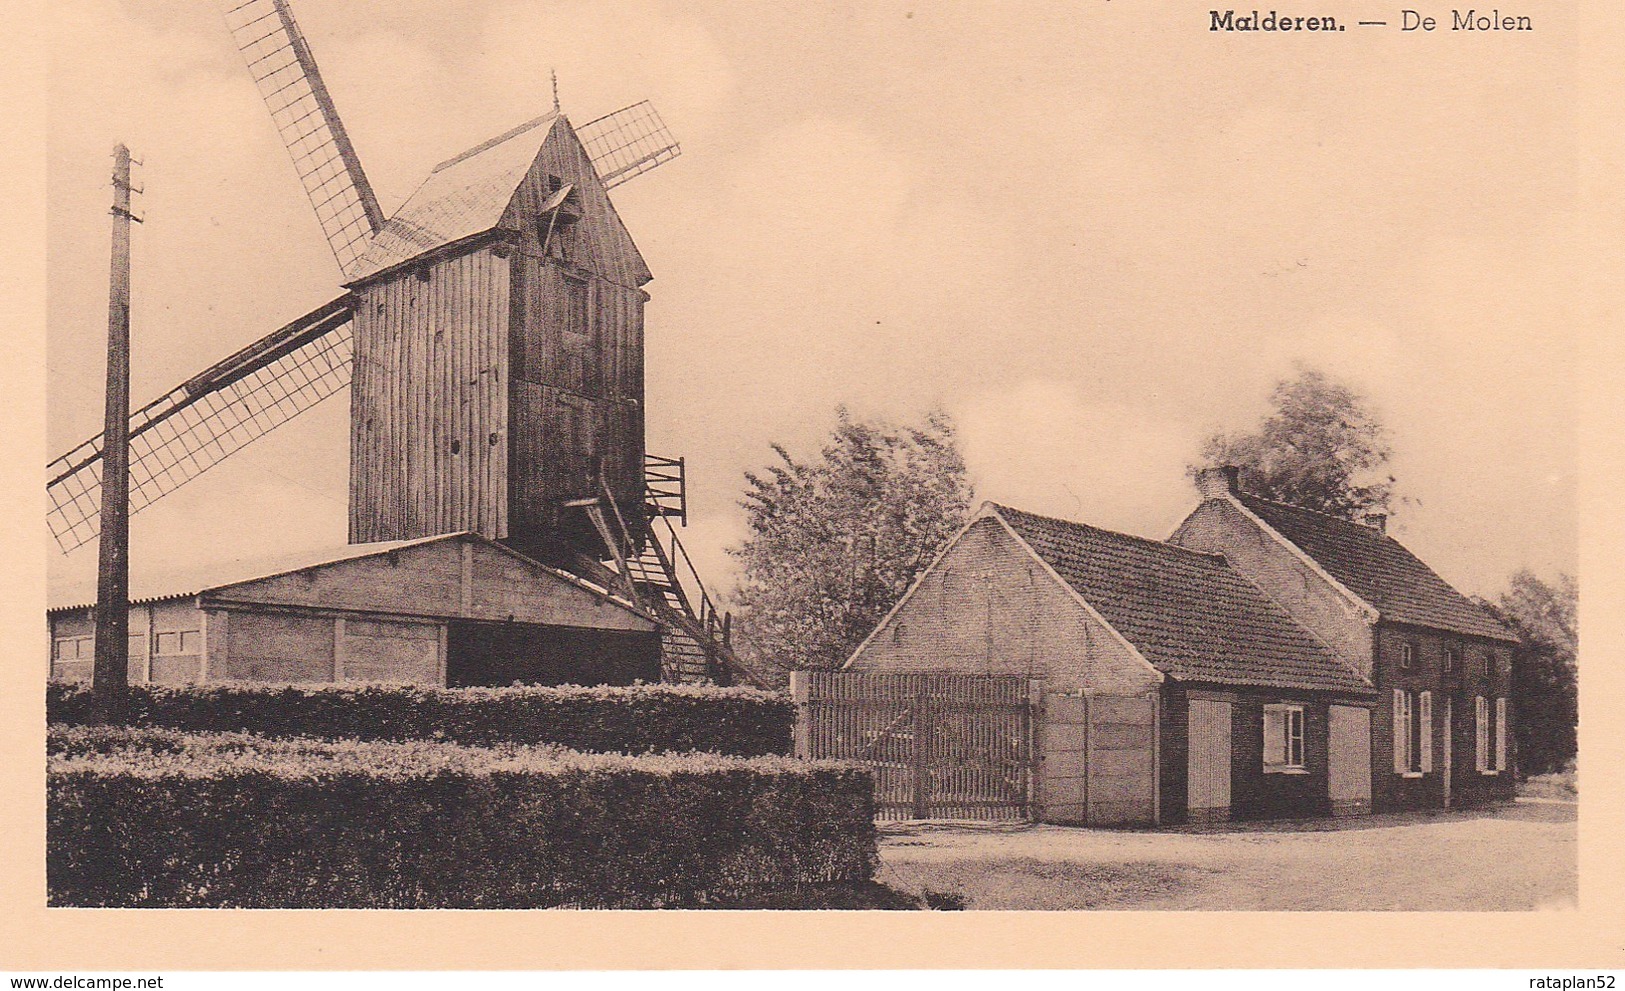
[1315, 512]
[1160, 544]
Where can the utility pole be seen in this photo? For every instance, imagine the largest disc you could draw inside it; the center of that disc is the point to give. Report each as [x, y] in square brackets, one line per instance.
[111, 674]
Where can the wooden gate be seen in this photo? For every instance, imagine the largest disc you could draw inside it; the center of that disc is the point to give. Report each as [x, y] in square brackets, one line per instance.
[940, 746]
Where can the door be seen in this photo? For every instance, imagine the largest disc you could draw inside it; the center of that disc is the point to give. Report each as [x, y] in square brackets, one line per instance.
[498, 654]
[1349, 763]
[1208, 770]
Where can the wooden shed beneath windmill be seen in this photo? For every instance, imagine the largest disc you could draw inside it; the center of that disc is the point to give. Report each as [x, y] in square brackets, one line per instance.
[450, 610]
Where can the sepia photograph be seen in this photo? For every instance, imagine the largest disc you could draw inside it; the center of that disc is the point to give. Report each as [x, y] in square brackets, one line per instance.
[961, 457]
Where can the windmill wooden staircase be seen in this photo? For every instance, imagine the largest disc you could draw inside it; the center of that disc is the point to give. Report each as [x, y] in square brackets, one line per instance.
[650, 564]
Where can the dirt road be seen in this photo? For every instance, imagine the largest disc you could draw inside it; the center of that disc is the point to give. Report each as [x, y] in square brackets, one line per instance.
[1512, 858]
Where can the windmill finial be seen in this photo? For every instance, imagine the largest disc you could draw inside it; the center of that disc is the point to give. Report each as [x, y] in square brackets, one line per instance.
[555, 74]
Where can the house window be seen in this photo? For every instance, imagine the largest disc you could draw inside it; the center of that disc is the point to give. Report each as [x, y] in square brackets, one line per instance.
[1451, 658]
[179, 642]
[1413, 733]
[1491, 750]
[1407, 656]
[1283, 739]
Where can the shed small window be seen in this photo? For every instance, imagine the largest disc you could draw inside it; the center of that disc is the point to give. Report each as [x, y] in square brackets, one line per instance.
[1451, 658]
[1407, 656]
[179, 642]
[75, 648]
[1283, 739]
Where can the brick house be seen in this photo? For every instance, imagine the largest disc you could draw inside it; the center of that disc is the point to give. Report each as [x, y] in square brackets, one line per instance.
[1442, 666]
[1227, 707]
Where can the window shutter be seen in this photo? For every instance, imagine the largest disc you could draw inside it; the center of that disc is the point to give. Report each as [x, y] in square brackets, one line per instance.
[1425, 737]
[1500, 734]
[1274, 737]
[1401, 758]
[1482, 751]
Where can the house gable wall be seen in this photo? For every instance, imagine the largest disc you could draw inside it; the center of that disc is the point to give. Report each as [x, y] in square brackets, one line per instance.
[1219, 526]
[989, 607]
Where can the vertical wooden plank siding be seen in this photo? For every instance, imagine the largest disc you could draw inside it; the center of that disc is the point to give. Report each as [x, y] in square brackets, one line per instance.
[430, 357]
[573, 404]
[1208, 783]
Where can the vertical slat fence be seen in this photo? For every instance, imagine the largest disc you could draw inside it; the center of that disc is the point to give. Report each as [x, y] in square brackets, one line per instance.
[940, 746]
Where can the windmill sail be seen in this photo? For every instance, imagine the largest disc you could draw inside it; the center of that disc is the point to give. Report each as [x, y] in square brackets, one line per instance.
[628, 143]
[289, 82]
[207, 418]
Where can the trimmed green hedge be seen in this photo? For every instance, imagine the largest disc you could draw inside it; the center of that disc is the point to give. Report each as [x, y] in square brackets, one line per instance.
[156, 818]
[742, 722]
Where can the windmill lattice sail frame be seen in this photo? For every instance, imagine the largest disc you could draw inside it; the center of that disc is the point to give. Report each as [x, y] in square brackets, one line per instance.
[200, 423]
[628, 143]
[285, 72]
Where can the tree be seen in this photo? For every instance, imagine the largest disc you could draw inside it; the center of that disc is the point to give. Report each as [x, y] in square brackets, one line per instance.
[1320, 448]
[1545, 677]
[836, 541]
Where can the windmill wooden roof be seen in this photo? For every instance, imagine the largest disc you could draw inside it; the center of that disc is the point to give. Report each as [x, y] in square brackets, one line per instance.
[502, 183]
[1378, 569]
[1189, 614]
[463, 196]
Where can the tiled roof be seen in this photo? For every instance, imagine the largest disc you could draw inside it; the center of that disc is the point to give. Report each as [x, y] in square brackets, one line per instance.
[462, 197]
[1189, 614]
[1378, 569]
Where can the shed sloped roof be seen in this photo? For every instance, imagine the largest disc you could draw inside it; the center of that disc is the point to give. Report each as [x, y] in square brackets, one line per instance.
[159, 586]
[154, 586]
[1189, 614]
[462, 197]
[1378, 569]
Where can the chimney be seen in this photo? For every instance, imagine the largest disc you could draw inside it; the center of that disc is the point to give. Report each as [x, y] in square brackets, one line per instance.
[1217, 483]
[1377, 521]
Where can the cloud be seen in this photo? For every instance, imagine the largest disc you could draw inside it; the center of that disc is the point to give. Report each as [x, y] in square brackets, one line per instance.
[607, 56]
[1043, 446]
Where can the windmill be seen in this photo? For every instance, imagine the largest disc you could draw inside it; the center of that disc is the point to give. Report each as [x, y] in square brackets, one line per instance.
[491, 331]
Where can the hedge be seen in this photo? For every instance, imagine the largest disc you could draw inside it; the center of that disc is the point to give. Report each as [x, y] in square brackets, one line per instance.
[156, 818]
[742, 722]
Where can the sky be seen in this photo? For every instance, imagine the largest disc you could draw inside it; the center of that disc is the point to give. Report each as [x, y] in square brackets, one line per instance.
[1094, 232]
